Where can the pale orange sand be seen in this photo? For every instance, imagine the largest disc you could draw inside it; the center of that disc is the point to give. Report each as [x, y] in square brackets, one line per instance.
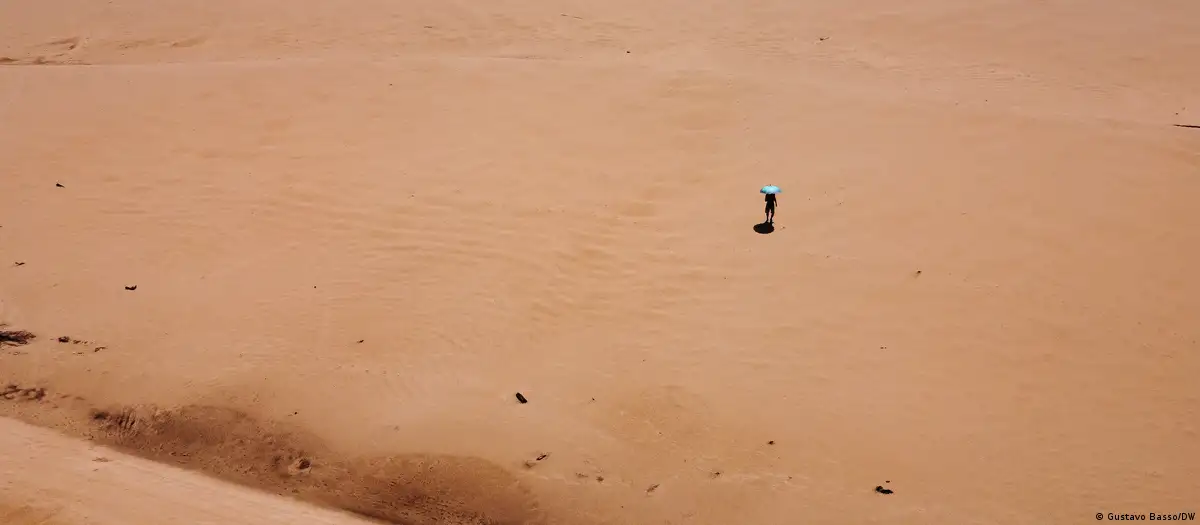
[111, 488]
[357, 229]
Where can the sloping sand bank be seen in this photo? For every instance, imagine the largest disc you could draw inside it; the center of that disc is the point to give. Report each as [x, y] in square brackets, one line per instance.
[49, 479]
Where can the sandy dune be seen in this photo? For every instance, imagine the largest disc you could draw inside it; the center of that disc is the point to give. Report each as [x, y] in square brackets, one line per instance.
[106, 487]
[356, 231]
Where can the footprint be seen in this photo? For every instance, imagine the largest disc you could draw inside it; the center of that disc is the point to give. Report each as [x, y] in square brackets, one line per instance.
[13, 392]
[189, 42]
[50, 53]
[299, 466]
[138, 43]
[143, 43]
[530, 463]
[63, 45]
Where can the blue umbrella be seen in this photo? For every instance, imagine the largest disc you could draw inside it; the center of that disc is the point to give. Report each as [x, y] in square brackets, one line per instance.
[770, 189]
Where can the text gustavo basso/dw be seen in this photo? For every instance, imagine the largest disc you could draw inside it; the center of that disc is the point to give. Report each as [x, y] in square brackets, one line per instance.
[1178, 516]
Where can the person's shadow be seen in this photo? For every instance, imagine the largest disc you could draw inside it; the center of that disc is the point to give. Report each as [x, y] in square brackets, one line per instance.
[764, 228]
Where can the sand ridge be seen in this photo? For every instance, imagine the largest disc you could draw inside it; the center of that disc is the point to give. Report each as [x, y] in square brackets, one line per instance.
[111, 488]
[233, 446]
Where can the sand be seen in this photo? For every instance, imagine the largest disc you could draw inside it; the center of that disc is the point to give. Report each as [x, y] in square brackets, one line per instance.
[356, 231]
[109, 487]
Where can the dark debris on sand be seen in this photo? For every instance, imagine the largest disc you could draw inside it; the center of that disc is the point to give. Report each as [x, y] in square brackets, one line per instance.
[16, 393]
[15, 337]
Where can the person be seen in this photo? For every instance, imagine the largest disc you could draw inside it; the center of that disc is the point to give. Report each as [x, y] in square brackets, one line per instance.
[771, 208]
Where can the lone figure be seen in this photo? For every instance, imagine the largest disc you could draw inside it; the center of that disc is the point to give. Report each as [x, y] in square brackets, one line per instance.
[770, 208]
